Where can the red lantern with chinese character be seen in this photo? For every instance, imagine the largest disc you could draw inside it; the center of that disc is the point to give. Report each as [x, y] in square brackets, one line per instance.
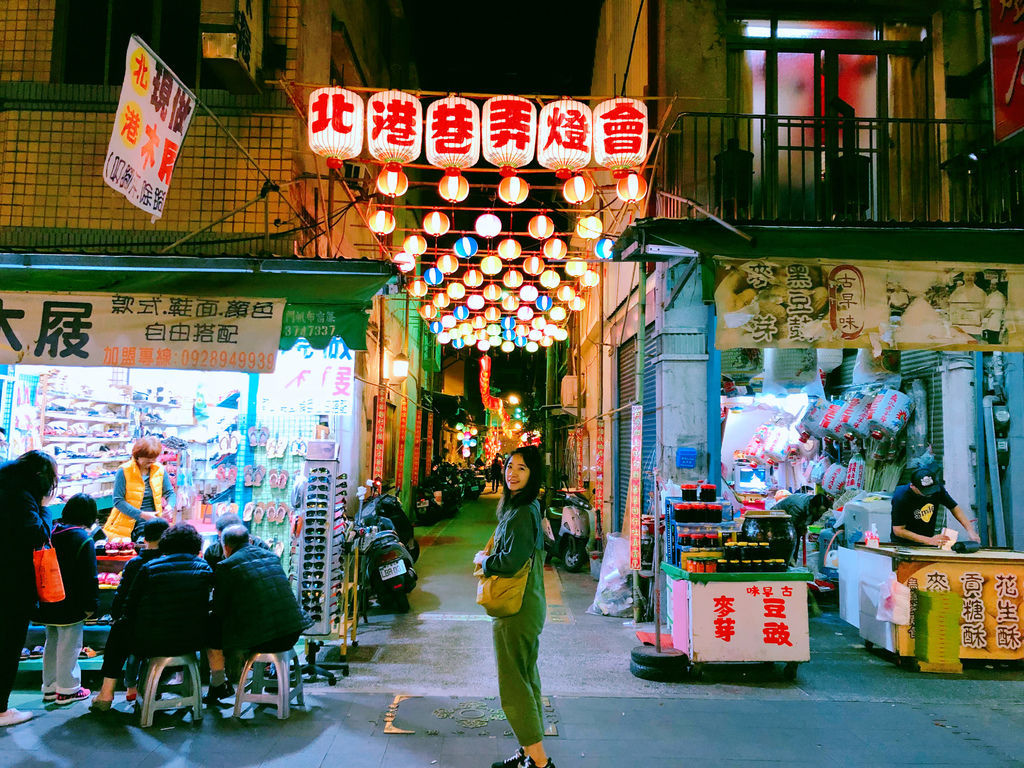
[509, 132]
[620, 133]
[564, 136]
[394, 127]
[335, 125]
[453, 133]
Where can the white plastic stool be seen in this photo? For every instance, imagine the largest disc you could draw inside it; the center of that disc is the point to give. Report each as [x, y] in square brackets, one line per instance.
[283, 662]
[151, 701]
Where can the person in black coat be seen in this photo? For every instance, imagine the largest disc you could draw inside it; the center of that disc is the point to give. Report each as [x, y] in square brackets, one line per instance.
[24, 484]
[215, 552]
[166, 612]
[152, 530]
[254, 609]
[76, 555]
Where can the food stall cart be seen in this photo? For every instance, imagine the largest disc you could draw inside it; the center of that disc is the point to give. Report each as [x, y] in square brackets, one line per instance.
[983, 609]
[739, 617]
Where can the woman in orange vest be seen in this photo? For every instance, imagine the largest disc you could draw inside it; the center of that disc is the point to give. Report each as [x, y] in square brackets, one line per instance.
[140, 489]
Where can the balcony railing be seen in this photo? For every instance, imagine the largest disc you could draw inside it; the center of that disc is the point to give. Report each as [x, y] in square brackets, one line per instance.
[839, 170]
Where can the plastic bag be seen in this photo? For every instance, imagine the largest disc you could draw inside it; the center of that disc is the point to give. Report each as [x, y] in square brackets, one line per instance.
[614, 596]
[894, 602]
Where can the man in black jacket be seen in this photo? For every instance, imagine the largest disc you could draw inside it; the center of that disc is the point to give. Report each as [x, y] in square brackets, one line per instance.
[215, 552]
[166, 612]
[254, 607]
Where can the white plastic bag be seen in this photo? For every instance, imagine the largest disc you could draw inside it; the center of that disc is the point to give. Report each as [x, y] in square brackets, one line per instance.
[614, 596]
[894, 602]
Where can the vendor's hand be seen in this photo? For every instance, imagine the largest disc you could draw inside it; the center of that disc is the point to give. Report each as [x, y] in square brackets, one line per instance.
[148, 515]
[974, 536]
[479, 557]
[937, 540]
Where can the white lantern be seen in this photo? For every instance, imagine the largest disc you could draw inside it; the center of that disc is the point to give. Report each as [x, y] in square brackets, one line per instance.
[453, 133]
[550, 279]
[394, 127]
[589, 227]
[620, 133]
[509, 131]
[335, 125]
[557, 314]
[488, 225]
[475, 302]
[564, 136]
[529, 292]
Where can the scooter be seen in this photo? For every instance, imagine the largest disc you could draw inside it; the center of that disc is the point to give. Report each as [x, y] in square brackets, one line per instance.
[569, 511]
[384, 510]
[387, 566]
[472, 484]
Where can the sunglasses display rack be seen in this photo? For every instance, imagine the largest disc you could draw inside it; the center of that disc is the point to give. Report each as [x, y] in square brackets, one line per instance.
[326, 564]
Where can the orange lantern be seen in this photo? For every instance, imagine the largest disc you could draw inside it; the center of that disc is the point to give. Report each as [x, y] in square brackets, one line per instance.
[631, 188]
[578, 304]
[541, 227]
[513, 279]
[428, 312]
[589, 227]
[492, 292]
[533, 265]
[575, 267]
[479, 323]
[513, 190]
[566, 293]
[473, 278]
[538, 322]
[418, 288]
[557, 314]
[456, 291]
[381, 221]
[441, 300]
[335, 125]
[415, 244]
[549, 279]
[510, 303]
[453, 187]
[589, 279]
[392, 181]
[436, 223]
[509, 249]
[555, 249]
[578, 189]
[492, 314]
[490, 265]
[447, 263]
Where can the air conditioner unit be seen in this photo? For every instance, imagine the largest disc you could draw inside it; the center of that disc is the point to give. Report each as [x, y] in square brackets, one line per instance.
[568, 399]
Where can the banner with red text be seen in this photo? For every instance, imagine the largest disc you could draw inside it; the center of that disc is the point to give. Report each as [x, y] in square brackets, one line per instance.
[1006, 21]
[414, 479]
[635, 489]
[400, 449]
[379, 421]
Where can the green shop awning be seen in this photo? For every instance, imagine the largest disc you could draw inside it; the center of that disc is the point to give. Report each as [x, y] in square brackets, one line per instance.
[325, 297]
[657, 239]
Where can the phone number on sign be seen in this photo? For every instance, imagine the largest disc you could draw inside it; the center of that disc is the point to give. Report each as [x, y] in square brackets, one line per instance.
[213, 359]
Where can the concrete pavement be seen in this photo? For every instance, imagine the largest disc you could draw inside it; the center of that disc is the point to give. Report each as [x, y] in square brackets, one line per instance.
[847, 706]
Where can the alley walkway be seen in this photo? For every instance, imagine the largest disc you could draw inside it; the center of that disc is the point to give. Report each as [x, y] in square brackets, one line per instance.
[848, 707]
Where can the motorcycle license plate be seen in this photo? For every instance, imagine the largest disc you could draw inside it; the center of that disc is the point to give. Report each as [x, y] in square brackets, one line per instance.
[422, 504]
[391, 570]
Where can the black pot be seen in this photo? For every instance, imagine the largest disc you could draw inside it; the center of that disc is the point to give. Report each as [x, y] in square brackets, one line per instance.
[776, 529]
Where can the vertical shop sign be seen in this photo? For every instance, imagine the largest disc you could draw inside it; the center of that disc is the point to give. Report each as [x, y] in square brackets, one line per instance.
[1007, 27]
[581, 435]
[429, 443]
[378, 433]
[414, 478]
[599, 469]
[633, 500]
[153, 116]
[400, 451]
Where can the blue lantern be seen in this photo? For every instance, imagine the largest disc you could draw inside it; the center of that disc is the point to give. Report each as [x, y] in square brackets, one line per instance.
[472, 443]
[603, 248]
[544, 302]
[458, 343]
[508, 322]
[433, 276]
[520, 341]
[508, 335]
[436, 327]
[465, 247]
[461, 312]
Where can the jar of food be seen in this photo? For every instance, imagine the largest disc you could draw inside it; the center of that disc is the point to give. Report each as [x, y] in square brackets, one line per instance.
[708, 492]
[689, 492]
[710, 566]
[723, 566]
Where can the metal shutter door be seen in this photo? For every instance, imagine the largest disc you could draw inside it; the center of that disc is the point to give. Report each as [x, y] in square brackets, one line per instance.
[627, 391]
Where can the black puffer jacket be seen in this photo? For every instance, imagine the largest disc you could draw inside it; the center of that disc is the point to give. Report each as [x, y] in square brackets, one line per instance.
[253, 599]
[25, 527]
[169, 605]
[214, 554]
[76, 555]
[128, 574]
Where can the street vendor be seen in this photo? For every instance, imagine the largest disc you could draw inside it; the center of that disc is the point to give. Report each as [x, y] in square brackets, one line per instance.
[803, 509]
[914, 506]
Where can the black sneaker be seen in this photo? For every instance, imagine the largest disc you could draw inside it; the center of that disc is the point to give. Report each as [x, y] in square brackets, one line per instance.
[518, 760]
[530, 764]
[215, 693]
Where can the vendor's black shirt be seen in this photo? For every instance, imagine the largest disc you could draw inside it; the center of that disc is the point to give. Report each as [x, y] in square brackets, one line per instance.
[916, 513]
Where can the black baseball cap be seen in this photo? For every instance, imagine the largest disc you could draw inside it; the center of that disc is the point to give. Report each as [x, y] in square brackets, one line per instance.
[927, 479]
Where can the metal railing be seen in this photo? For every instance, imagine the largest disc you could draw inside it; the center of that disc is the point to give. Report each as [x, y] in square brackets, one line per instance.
[839, 170]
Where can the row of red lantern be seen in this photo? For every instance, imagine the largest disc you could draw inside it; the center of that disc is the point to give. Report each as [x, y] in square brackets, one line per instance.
[487, 225]
[508, 131]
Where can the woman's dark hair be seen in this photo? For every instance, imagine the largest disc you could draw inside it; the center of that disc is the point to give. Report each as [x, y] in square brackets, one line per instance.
[34, 472]
[80, 509]
[530, 455]
[181, 539]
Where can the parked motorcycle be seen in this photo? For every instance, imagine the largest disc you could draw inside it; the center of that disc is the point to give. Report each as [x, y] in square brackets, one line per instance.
[472, 484]
[386, 565]
[568, 512]
[384, 510]
[440, 495]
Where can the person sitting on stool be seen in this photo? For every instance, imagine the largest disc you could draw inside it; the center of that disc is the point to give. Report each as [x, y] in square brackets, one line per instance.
[167, 610]
[254, 609]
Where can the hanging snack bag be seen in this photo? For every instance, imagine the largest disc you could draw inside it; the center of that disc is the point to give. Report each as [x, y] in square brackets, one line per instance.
[890, 413]
[855, 472]
[834, 480]
[810, 424]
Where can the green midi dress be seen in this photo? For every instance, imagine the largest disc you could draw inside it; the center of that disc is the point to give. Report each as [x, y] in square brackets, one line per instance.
[518, 537]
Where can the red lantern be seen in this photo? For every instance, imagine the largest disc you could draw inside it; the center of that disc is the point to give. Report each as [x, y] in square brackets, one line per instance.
[394, 126]
[509, 132]
[513, 190]
[565, 136]
[541, 227]
[335, 125]
[620, 133]
[578, 190]
[453, 187]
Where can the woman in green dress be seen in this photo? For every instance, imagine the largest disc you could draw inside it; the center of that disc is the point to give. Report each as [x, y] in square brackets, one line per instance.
[518, 538]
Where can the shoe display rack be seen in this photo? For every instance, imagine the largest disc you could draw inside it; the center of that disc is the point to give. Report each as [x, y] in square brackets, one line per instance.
[88, 435]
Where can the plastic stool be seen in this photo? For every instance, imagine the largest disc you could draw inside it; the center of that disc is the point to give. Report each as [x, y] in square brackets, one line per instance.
[283, 662]
[150, 694]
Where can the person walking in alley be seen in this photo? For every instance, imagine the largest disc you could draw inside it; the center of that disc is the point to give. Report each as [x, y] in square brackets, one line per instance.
[495, 471]
[518, 538]
[24, 484]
